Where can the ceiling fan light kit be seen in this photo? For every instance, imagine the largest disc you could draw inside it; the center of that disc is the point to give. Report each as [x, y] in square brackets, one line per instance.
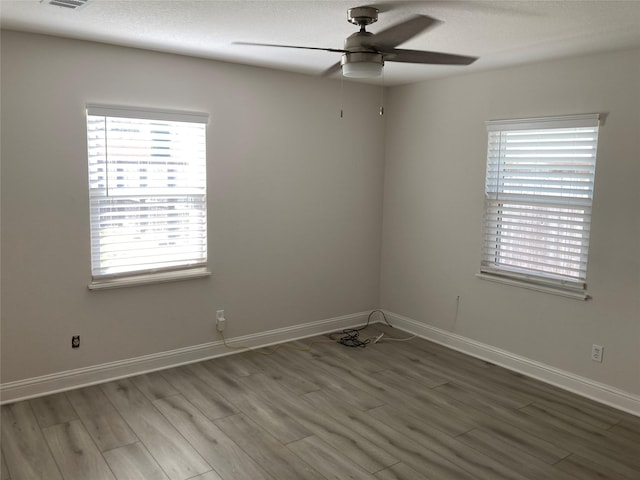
[362, 65]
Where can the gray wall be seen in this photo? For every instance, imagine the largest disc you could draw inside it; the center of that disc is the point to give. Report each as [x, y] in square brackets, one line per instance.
[297, 199]
[294, 203]
[433, 199]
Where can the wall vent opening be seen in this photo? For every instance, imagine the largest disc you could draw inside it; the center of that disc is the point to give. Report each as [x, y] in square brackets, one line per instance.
[70, 4]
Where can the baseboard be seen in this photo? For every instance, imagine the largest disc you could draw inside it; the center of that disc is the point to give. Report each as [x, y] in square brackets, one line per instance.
[81, 377]
[585, 387]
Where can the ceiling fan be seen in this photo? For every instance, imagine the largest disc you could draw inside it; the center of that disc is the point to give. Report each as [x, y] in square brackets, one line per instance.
[364, 53]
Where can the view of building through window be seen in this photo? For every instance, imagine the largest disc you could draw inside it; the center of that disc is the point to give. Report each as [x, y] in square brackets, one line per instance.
[147, 184]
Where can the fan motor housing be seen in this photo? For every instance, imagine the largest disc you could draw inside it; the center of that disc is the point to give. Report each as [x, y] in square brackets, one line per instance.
[369, 57]
[359, 41]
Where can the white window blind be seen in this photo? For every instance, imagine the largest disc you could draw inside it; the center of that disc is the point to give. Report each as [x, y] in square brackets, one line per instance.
[539, 190]
[147, 185]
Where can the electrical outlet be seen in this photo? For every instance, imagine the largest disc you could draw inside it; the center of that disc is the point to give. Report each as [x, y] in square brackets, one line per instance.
[220, 320]
[75, 341]
[220, 324]
[596, 353]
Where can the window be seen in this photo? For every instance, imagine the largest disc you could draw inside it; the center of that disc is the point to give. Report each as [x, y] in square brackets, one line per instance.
[147, 189]
[539, 189]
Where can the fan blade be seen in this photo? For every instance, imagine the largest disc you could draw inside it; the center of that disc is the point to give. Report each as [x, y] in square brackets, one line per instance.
[290, 46]
[392, 5]
[421, 56]
[336, 67]
[402, 32]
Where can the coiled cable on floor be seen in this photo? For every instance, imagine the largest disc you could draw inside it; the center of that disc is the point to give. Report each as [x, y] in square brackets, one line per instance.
[351, 338]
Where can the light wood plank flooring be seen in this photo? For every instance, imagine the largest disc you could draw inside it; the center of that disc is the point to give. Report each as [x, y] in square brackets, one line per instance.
[409, 410]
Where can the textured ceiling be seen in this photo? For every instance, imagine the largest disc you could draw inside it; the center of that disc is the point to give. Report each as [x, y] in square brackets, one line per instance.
[500, 32]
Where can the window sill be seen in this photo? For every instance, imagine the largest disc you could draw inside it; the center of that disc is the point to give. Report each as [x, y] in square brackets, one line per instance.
[577, 295]
[149, 279]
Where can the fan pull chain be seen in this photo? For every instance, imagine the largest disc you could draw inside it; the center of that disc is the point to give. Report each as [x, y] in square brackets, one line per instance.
[341, 96]
[382, 93]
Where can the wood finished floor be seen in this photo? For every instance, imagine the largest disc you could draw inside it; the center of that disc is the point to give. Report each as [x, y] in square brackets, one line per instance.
[392, 411]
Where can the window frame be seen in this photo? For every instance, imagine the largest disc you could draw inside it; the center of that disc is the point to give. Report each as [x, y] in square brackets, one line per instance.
[152, 273]
[567, 207]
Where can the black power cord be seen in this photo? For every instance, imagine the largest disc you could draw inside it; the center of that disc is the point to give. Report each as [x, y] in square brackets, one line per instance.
[351, 336]
[351, 339]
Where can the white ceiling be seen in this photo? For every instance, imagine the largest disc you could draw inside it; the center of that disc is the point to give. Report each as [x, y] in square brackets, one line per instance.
[500, 32]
